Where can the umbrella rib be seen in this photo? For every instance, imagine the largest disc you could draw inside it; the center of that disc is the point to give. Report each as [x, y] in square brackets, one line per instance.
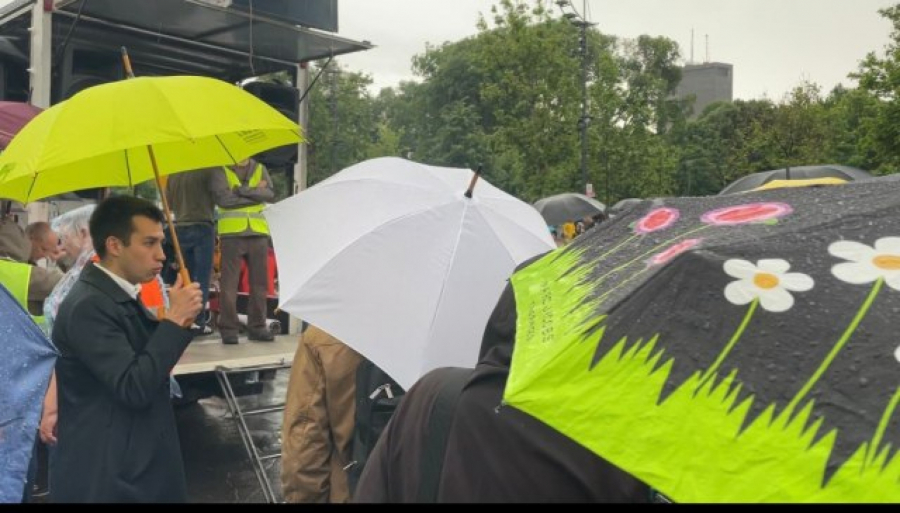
[500, 214]
[226, 149]
[31, 188]
[128, 167]
[440, 297]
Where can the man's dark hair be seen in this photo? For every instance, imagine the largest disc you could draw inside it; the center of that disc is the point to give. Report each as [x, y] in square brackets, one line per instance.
[113, 217]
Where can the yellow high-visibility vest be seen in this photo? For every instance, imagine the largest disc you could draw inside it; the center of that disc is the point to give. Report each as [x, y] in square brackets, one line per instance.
[237, 220]
[15, 276]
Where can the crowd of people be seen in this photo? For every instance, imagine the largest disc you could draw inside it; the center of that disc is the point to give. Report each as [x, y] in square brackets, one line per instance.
[93, 280]
[120, 329]
[570, 230]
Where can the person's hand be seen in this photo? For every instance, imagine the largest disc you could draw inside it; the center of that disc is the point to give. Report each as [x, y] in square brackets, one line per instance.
[185, 302]
[262, 184]
[47, 429]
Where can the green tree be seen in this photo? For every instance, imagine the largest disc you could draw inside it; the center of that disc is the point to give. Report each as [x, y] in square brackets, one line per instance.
[798, 127]
[880, 77]
[727, 141]
[343, 124]
[510, 91]
[851, 118]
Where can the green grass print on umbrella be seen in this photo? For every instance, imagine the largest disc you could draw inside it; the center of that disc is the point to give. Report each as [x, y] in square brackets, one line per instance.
[675, 408]
[694, 447]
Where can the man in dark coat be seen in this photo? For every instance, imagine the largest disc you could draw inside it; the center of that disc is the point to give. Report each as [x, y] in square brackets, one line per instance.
[118, 440]
[494, 453]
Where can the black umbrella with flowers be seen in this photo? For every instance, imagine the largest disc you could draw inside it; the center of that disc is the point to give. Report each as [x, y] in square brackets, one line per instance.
[726, 349]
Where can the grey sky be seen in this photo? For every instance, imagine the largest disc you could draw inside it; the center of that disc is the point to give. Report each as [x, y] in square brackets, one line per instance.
[773, 44]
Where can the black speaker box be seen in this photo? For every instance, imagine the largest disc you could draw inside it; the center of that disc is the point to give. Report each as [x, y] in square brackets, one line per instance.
[83, 67]
[286, 100]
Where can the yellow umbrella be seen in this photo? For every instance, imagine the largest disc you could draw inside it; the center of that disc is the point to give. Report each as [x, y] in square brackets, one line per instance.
[109, 135]
[780, 184]
[127, 132]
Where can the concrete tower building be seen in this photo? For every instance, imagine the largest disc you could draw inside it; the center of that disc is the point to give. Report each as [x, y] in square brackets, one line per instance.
[708, 82]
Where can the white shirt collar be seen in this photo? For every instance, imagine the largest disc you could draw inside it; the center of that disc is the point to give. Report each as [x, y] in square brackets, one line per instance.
[131, 289]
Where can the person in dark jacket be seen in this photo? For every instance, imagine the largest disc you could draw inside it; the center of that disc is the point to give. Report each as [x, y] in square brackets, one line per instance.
[117, 435]
[494, 453]
[191, 200]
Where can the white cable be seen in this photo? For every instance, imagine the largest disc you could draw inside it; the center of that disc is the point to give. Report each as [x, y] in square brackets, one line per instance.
[252, 67]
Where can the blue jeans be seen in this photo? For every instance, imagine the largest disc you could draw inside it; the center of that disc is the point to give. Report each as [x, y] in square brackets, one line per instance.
[198, 241]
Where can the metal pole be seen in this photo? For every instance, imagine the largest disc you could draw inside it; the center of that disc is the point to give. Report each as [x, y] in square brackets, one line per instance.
[40, 63]
[584, 103]
[301, 171]
[608, 176]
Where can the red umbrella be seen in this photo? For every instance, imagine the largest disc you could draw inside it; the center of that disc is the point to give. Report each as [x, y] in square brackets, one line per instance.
[13, 116]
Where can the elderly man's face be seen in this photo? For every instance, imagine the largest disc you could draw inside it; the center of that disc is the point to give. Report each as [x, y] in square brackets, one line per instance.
[74, 243]
[47, 247]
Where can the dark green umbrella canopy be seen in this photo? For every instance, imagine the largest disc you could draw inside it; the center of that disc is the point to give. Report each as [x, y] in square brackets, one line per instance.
[752, 181]
[568, 206]
[739, 348]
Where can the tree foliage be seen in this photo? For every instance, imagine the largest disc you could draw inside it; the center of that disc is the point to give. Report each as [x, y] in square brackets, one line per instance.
[510, 98]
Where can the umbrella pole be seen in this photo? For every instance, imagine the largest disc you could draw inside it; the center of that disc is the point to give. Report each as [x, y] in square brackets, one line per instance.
[182, 269]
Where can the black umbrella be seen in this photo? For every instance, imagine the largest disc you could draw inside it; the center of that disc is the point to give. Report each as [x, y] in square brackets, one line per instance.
[752, 181]
[568, 206]
[622, 205]
[738, 348]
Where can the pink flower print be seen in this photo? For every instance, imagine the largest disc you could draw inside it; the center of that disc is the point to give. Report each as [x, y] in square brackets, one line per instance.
[656, 220]
[743, 214]
[674, 251]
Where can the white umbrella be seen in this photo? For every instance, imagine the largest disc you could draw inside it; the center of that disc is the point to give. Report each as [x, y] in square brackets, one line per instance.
[392, 258]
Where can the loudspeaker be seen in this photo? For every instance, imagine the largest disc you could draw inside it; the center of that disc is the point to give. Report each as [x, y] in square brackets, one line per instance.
[286, 100]
[14, 83]
[86, 67]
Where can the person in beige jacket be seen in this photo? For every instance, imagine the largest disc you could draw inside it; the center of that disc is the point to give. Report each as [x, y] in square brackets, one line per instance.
[318, 420]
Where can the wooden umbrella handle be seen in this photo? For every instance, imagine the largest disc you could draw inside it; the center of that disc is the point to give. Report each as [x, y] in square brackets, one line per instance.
[127, 62]
[182, 269]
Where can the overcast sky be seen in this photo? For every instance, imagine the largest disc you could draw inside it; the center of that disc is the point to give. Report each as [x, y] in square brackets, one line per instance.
[773, 44]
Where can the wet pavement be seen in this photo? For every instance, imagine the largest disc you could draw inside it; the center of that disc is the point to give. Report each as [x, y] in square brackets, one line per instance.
[216, 462]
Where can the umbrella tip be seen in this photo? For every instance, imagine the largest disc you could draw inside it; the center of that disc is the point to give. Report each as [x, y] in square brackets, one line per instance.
[475, 177]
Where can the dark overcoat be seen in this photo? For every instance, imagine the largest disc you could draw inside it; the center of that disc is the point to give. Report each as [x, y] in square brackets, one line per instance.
[118, 441]
[494, 453]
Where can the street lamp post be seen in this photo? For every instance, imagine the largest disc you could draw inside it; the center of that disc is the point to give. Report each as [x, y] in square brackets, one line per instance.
[584, 120]
[579, 21]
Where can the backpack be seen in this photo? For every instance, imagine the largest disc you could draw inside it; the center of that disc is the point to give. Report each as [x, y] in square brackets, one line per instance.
[377, 396]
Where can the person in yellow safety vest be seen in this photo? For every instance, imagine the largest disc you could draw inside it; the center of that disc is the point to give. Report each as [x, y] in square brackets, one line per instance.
[241, 192]
[15, 277]
[29, 284]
